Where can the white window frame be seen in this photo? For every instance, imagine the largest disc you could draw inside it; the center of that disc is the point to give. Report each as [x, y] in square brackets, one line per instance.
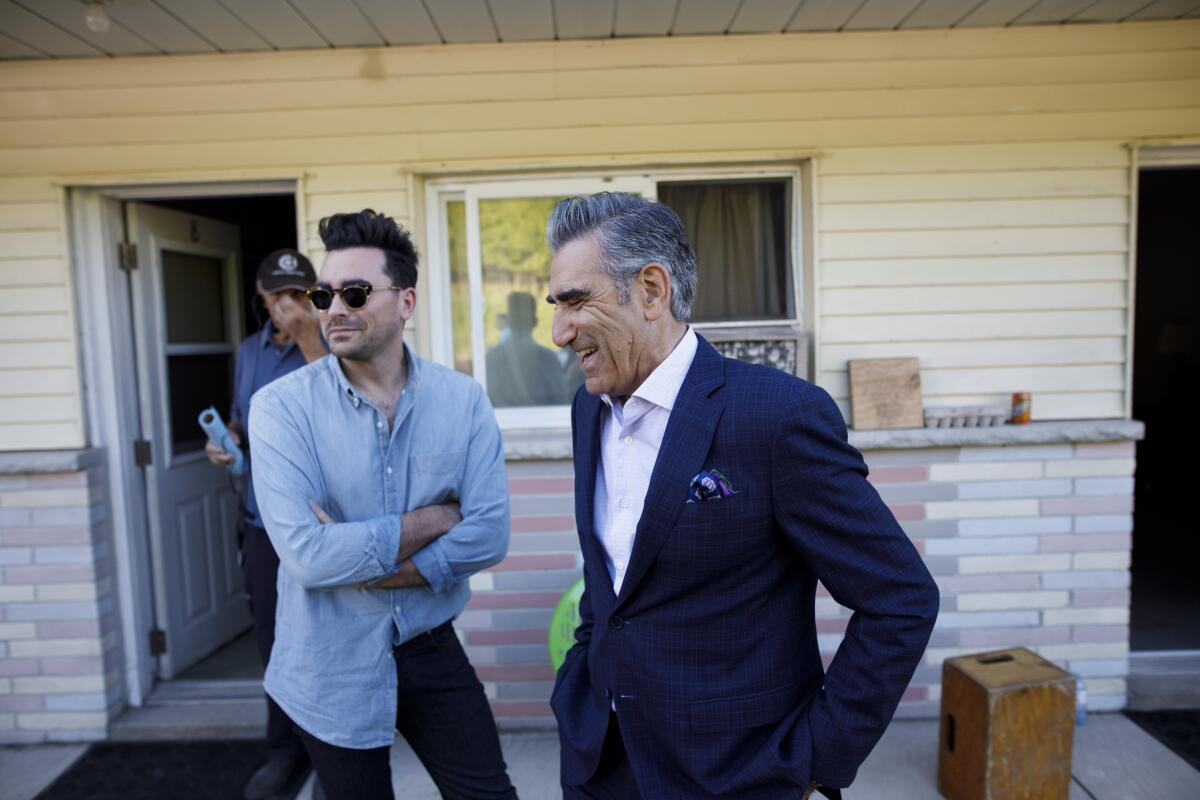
[438, 193]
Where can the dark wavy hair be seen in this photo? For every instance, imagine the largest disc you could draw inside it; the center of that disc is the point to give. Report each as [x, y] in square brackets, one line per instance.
[368, 228]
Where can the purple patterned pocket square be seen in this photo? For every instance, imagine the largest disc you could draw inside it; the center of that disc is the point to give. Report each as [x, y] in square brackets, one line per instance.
[709, 485]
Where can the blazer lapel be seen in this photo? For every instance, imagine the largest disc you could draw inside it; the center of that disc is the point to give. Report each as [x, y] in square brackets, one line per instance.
[689, 434]
[587, 461]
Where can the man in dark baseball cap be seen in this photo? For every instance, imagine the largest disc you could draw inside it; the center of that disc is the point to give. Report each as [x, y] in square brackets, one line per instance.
[289, 338]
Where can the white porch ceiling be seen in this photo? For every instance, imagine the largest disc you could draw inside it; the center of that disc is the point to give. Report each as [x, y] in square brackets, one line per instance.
[40, 29]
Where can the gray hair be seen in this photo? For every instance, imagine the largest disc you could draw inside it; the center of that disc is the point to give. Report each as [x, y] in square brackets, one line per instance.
[632, 232]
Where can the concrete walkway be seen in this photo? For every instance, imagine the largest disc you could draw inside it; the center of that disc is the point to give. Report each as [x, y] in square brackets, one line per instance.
[1114, 759]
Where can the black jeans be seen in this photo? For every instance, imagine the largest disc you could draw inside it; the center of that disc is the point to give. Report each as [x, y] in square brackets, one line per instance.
[443, 713]
[260, 568]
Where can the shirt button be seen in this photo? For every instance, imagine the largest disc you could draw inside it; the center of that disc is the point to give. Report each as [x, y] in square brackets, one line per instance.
[397, 608]
[628, 440]
[389, 470]
[620, 565]
[623, 502]
[379, 425]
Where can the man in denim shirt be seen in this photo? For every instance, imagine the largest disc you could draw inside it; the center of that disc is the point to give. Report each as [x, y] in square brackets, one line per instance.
[381, 481]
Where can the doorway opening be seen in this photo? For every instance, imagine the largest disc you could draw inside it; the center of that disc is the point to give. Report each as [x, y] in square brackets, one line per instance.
[1165, 607]
[193, 302]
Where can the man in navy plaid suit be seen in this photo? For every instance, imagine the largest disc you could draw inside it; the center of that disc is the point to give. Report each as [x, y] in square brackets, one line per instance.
[710, 497]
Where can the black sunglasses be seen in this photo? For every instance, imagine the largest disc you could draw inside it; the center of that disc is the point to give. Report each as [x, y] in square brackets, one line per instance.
[354, 295]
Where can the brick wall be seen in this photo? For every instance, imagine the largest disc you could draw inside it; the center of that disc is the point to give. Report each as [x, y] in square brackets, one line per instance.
[1030, 545]
[60, 649]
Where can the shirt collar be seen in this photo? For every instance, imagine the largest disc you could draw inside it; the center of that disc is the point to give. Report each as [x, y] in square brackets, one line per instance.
[662, 386]
[347, 390]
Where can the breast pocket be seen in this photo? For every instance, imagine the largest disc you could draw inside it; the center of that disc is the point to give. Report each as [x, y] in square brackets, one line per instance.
[703, 513]
[436, 477]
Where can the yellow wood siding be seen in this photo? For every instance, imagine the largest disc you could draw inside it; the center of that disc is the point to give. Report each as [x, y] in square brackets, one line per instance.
[972, 186]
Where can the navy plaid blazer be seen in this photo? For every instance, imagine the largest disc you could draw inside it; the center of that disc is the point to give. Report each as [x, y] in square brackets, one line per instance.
[710, 650]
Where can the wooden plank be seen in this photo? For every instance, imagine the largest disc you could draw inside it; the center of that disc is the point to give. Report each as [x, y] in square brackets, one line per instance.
[307, 64]
[114, 41]
[24, 381]
[11, 48]
[41, 436]
[763, 16]
[962, 270]
[15, 355]
[32, 327]
[1109, 10]
[1028, 184]
[536, 146]
[29, 190]
[277, 22]
[1002, 380]
[878, 15]
[31, 244]
[399, 22]
[1002, 353]
[463, 21]
[885, 393]
[644, 17]
[1052, 12]
[21, 300]
[974, 214]
[821, 15]
[960, 158]
[938, 299]
[584, 19]
[394, 204]
[695, 17]
[971, 326]
[523, 20]
[33, 31]
[33, 272]
[339, 22]
[1165, 9]
[30, 216]
[214, 22]
[163, 31]
[40, 408]
[996, 13]
[399, 114]
[977, 241]
[937, 14]
[330, 179]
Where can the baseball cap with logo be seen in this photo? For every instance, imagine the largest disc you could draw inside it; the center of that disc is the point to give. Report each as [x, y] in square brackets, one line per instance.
[286, 269]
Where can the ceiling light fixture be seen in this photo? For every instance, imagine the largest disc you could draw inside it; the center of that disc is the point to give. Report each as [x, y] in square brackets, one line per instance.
[96, 17]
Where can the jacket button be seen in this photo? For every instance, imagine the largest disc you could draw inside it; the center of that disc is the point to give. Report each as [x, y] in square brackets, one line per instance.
[615, 622]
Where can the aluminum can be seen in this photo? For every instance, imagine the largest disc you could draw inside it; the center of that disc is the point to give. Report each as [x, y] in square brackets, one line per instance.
[1022, 406]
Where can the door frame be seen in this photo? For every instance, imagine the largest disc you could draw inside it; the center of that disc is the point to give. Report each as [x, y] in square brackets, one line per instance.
[111, 402]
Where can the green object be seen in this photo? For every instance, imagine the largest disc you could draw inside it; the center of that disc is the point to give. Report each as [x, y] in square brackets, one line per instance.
[564, 622]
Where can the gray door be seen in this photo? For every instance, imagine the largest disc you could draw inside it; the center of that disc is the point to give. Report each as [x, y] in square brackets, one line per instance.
[185, 294]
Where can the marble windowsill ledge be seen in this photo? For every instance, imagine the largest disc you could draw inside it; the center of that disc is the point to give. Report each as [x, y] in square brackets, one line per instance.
[46, 461]
[555, 444]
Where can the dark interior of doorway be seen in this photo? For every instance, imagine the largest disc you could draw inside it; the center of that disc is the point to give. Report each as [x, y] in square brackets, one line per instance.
[266, 223]
[1165, 606]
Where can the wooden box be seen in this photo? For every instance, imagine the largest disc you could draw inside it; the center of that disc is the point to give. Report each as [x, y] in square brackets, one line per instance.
[1007, 727]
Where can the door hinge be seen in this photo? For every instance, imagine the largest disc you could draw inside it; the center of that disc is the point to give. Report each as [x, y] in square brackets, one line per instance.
[158, 641]
[127, 256]
[142, 456]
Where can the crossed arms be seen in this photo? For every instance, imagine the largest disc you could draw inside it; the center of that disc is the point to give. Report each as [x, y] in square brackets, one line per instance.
[437, 545]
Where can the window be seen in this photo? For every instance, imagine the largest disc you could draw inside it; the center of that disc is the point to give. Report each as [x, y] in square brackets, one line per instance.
[491, 269]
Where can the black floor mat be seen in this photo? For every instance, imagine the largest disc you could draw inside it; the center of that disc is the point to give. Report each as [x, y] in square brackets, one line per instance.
[157, 770]
[1178, 730]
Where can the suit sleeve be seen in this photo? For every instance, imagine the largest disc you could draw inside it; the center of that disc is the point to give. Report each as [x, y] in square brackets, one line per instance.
[849, 539]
